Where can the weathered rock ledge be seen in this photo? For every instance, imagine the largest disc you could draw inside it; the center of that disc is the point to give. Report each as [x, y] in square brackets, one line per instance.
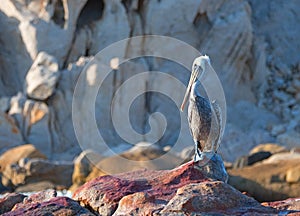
[185, 190]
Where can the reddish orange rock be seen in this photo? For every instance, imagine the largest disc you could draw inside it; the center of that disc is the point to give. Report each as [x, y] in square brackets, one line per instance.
[186, 190]
[56, 206]
[104, 193]
[9, 201]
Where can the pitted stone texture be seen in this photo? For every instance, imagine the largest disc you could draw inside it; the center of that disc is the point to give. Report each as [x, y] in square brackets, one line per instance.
[185, 190]
[9, 201]
[55, 206]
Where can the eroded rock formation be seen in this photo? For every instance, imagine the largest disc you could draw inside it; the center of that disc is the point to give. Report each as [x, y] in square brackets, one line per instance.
[256, 64]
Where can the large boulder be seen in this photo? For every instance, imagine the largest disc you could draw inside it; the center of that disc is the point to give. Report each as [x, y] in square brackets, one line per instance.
[8, 201]
[35, 170]
[270, 180]
[185, 190]
[42, 77]
[14, 155]
[55, 206]
[38, 197]
[40, 203]
[182, 191]
[213, 198]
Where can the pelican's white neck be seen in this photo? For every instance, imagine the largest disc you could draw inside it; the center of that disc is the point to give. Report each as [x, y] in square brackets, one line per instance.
[195, 89]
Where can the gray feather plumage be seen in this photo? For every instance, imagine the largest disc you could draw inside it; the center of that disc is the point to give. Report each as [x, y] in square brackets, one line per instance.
[203, 121]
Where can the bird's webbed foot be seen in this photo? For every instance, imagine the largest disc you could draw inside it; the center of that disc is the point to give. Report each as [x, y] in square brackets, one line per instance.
[201, 158]
[198, 155]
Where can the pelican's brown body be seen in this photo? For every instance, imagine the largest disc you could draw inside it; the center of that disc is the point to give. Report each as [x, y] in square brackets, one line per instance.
[199, 117]
[204, 117]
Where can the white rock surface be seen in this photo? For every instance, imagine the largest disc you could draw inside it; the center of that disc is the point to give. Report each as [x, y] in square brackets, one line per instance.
[251, 43]
[39, 32]
[42, 77]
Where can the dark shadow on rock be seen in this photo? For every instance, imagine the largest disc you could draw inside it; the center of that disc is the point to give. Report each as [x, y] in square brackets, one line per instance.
[92, 11]
[251, 159]
[3, 189]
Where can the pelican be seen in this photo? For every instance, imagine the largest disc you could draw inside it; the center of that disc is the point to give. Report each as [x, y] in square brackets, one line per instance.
[204, 117]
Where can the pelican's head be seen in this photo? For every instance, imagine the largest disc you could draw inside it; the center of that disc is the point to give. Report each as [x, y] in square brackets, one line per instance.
[199, 67]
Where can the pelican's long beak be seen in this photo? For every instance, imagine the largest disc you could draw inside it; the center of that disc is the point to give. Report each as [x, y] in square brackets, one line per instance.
[193, 77]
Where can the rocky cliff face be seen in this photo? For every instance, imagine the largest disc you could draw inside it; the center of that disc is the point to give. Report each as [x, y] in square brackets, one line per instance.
[253, 45]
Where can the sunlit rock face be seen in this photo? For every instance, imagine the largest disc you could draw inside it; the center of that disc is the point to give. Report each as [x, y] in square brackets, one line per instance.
[42, 77]
[183, 190]
[257, 65]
